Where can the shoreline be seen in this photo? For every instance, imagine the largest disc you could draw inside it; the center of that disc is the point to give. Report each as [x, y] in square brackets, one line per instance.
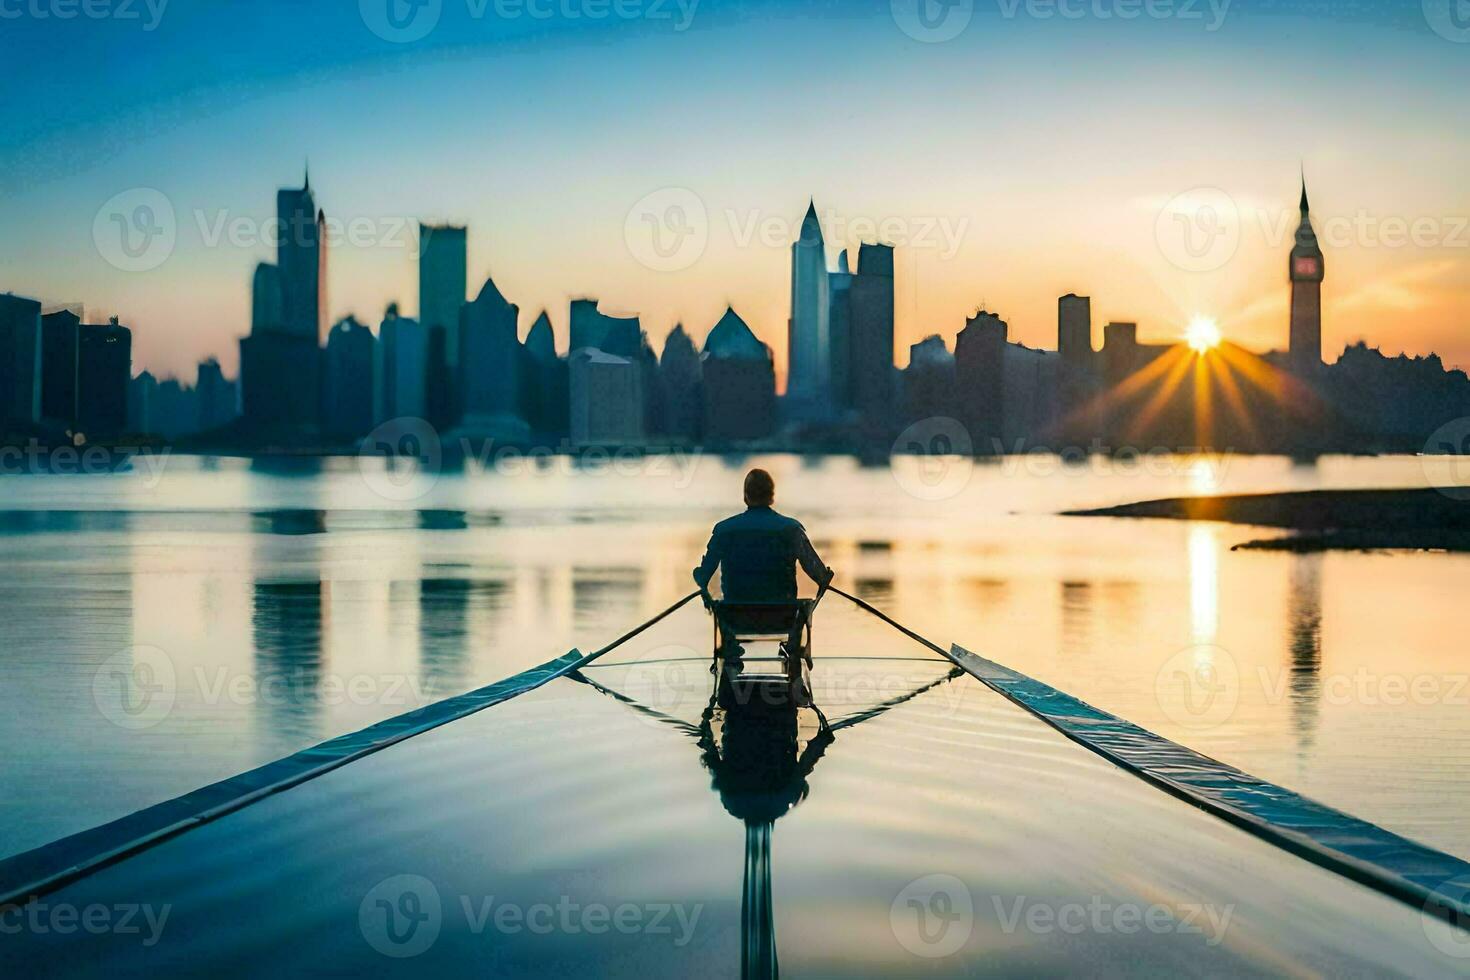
[1415, 519]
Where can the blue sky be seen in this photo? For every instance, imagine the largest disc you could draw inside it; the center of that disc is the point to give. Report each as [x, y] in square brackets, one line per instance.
[1047, 145]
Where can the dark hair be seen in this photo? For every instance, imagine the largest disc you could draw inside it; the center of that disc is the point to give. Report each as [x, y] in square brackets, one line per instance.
[760, 489]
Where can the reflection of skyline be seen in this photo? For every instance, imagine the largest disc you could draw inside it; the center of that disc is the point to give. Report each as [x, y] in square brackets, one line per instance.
[602, 590]
[453, 613]
[288, 636]
[1076, 610]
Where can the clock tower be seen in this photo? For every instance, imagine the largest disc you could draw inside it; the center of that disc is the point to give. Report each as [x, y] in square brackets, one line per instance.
[1306, 270]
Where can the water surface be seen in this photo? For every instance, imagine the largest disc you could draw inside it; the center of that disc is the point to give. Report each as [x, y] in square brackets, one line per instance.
[166, 630]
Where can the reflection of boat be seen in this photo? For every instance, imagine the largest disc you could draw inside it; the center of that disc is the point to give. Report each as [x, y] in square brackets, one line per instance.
[763, 653]
[761, 735]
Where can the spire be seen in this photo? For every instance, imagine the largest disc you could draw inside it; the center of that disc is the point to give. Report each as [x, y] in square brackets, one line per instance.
[1305, 208]
[306, 176]
[811, 225]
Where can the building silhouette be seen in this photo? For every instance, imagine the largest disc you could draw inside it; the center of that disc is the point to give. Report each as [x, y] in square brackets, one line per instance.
[929, 380]
[980, 378]
[402, 367]
[301, 260]
[104, 367]
[142, 404]
[839, 318]
[544, 392]
[681, 387]
[739, 379]
[60, 337]
[606, 399]
[490, 367]
[20, 361]
[347, 372]
[620, 336]
[1028, 395]
[871, 348]
[266, 297]
[280, 361]
[1307, 272]
[443, 288]
[809, 351]
[1074, 331]
[218, 397]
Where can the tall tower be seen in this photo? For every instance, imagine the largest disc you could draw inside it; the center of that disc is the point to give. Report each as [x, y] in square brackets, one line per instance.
[1307, 271]
[300, 258]
[809, 371]
[442, 283]
[1074, 330]
[870, 341]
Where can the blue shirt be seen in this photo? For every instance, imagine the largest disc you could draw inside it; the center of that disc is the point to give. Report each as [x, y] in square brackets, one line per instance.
[757, 553]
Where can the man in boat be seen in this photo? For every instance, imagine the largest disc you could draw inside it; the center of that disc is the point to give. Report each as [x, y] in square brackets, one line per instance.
[757, 551]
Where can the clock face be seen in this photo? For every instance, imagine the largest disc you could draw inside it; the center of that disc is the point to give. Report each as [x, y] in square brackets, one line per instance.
[1305, 267]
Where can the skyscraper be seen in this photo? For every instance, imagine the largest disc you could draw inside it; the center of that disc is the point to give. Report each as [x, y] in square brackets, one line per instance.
[929, 380]
[979, 352]
[20, 360]
[281, 361]
[809, 368]
[839, 302]
[546, 377]
[489, 364]
[301, 258]
[1074, 330]
[266, 298]
[871, 350]
[443, 284]
[60, 334]
[142, 404]
[216, 395]
[681, 376]
[590, 327]
[606, 399]
[1307, 272]
[347, 381]
[443, 288]
[403, 357]
[104, 367]
[739, 384]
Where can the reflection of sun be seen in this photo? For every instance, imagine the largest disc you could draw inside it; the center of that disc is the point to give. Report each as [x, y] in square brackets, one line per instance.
[1202, 334]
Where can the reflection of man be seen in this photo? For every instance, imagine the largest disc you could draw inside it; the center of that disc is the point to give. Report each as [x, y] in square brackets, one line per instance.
[757, 551]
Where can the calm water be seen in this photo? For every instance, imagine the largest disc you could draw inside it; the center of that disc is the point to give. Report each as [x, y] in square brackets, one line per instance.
[163, 630]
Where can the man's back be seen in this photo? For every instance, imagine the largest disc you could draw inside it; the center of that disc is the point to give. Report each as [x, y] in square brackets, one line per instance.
[757, 552]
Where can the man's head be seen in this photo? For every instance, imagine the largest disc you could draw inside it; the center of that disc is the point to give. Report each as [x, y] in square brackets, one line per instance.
[760, 489]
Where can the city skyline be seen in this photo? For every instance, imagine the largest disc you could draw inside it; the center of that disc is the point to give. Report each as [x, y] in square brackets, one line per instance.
[1057, 186]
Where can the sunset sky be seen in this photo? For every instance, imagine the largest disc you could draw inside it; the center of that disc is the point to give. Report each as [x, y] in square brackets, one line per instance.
[1025, 157]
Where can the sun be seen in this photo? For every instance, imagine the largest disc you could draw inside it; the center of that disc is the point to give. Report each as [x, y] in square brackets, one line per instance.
[1202, 334]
